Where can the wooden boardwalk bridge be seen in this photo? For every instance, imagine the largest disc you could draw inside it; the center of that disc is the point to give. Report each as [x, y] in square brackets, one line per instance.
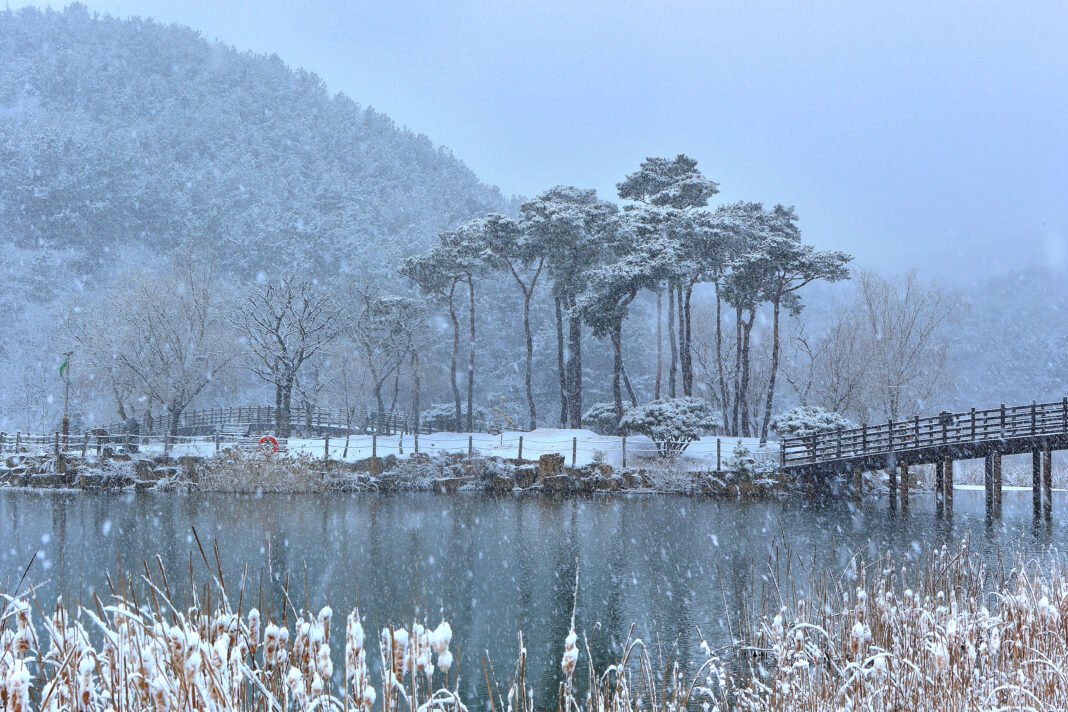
[895, 446]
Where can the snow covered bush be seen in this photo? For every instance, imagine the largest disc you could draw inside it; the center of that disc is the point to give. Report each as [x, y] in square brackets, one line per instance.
[806, 420]
[671, 423]
[601, 419]
[442, 416]
[744, 462]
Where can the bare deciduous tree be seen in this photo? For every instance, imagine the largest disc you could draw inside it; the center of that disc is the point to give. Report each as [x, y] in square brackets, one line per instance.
[884, 357]
[386, 330]
[159, 335]
[285, 323]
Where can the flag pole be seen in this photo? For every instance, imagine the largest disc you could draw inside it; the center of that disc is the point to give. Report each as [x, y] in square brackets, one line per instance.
[66, 396]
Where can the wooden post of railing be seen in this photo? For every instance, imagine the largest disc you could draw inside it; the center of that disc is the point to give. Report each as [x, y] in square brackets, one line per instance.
[574, 451]
[1034, 416]
[3, 439]
[1002, 436]
[470, 445]
[57, 443]
[520, 455]
[326, 446]
[400, 442]
[890, 435]
[916, 428]
[416, 435]
[374, 445]
[18, 440]
[864, 438]
[973, 425]
[625, 453]
[85, 445]
[838, 445]
[1064, 415]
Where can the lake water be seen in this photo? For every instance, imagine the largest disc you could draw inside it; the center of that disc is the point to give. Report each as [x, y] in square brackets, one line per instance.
[492, 566]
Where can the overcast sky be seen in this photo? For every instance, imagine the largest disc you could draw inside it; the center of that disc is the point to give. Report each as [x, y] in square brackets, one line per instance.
[914, 134]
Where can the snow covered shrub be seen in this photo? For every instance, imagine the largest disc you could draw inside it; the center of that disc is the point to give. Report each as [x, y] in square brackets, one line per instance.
[671, 423]
[743, 461]
[601, 419]
[806, 420]
[441, 416]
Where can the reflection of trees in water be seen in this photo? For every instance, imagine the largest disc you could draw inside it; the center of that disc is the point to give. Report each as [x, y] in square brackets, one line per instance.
[499, 564]
[563, 551]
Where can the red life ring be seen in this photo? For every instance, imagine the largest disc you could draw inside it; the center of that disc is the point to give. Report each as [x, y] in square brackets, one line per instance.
[270, 439]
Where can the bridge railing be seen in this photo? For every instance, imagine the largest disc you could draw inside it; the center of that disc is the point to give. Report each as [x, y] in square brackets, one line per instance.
[1034, 419]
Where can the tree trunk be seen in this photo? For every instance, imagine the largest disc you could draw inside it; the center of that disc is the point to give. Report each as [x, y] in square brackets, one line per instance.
[630, 388]
[723, 395]
[393, 400]
[174, 412]
[617, 370]
[416, 391]
[737, 370]
[458, 415]
[528, 375]
[561, 369]
[279, 388]
[774, 371]
[687, 349]
[659, 342]
[471, 356]
[671, 340]
[574, 367]
[282, 415]
[744, 386]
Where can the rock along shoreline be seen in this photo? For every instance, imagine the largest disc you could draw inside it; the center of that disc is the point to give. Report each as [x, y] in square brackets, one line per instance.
[241, 472]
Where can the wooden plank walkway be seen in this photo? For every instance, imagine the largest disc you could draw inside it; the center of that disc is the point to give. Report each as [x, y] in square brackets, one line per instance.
[1036, 428]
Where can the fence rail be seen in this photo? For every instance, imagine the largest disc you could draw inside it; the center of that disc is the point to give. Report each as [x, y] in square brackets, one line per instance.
[943, 430]
[262, 419]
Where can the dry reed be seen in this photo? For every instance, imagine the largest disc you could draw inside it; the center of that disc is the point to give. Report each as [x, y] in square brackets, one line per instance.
[883, 636]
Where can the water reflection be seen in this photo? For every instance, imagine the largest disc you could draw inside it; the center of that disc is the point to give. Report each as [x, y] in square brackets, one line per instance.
[495, 566]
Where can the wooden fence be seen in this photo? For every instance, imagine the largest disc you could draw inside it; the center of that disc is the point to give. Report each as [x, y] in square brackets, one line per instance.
[261, 419]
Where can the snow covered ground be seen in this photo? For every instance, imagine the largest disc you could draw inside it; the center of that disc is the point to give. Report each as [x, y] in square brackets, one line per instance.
[580, 447]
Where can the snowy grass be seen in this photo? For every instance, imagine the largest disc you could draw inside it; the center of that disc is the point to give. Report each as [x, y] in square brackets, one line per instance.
[937, 635]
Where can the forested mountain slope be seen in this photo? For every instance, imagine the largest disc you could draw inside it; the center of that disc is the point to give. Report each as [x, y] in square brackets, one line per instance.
[127, 133]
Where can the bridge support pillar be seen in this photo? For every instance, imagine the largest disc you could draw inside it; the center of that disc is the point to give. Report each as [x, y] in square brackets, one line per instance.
[1036, 482]
[1047, 483]
[891, 473]
[996, 462]
[988, 483]
[948, 483]
[904, 487]
[940, 486]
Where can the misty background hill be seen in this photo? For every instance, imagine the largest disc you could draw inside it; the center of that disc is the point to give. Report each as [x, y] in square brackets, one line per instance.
[126, 133]
[125, 142]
